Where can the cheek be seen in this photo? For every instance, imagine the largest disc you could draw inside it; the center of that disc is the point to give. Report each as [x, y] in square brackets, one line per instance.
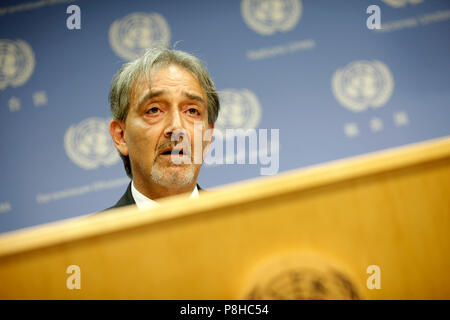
[149, 142]
[143, 139]
[196, 135]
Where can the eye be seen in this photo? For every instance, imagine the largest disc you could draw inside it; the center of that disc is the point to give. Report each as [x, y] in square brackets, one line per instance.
[193, 112]
[153, 111]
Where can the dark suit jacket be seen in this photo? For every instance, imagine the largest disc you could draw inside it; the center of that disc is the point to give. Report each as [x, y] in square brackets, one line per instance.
[127, 198]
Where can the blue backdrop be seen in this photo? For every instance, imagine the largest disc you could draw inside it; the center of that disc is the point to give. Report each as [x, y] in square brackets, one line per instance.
[310, 68]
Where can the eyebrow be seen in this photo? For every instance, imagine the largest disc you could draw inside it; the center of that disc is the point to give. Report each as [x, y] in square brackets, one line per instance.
[149, 96]
[153, 94]
[195, 97]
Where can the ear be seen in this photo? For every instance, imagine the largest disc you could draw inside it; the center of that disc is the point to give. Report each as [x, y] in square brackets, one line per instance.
[117, 131]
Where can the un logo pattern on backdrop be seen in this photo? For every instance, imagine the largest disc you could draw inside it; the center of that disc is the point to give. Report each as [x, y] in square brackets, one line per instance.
[363, 84]
[16, 63]
[132, 35]
[269, 16]
[240, 109]
[89, 145]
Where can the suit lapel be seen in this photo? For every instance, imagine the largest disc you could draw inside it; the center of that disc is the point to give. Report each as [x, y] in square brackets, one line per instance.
[127, 198]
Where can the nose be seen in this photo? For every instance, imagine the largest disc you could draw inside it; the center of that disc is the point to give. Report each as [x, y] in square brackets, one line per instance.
[174, 127]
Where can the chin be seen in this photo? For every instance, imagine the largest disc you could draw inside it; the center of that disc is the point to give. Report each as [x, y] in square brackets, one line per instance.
[178, 176]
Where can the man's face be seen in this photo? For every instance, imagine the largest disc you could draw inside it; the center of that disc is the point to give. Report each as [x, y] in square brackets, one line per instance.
[173, 103]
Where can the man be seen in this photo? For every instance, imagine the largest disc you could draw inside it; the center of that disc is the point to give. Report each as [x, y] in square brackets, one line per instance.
[161, 103]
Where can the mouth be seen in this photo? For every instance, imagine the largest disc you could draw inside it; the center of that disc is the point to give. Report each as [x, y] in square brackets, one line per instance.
[172, 151]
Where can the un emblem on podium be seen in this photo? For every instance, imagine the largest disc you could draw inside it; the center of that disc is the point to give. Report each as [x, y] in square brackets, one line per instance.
[89, 145]
[16, 63]
[239, 109]
[132, 35]
[269, 16]
[301, 277]
[363, 84]
[401, 3]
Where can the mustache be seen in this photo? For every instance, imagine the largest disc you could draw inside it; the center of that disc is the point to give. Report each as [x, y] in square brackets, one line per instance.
[165, 145]
[171, 145]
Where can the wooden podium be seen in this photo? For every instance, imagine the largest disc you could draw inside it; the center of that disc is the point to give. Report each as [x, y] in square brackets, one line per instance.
[371, 227]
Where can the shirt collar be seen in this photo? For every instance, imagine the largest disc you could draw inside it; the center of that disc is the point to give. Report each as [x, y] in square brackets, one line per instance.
[143, 202]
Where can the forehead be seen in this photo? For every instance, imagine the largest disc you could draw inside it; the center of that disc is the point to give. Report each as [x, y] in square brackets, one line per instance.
[171, 78]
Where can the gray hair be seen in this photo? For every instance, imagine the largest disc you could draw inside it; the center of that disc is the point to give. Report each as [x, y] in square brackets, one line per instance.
[128, 74]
